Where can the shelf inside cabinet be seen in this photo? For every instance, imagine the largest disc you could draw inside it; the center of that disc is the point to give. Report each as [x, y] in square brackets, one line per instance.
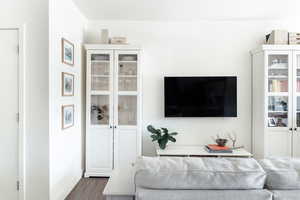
[100, 61]
[277, 77]
[278, 94]
[97, 92]
[100, 76]
[276, 111]
[127, 76]
[129, 93]
[129, 61]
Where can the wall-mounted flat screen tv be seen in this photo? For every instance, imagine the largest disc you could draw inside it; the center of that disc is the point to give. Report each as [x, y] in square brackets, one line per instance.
[201, 96]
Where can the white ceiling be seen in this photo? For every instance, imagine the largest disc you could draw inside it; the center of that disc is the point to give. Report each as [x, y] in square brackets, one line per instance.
[181, 10]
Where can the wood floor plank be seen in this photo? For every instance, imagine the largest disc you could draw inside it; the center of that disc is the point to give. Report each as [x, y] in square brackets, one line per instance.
[88, 189]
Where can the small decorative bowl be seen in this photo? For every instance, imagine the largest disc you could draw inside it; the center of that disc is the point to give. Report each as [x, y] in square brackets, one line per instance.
[221, 142]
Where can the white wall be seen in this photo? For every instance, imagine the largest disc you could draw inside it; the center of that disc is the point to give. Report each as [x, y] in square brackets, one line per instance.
[33, 13]
[65, 145]
[193, 48]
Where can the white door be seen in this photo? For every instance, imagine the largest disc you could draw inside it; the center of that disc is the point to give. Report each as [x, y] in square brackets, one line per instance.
[99, 113]
[8, 117]
[296, 104]
[279, 102]
[127, 101]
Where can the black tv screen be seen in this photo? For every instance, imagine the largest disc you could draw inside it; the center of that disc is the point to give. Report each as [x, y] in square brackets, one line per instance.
[201, 96]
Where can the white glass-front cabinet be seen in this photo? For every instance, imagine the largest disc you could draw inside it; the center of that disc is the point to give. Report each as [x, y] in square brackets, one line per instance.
[113, 108]
[276, 101]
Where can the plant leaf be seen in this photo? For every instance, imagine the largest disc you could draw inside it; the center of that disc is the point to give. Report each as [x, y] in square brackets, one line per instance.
[165, 130]
[172, 139]
[174, 133]
[151, 129]
[154, 137]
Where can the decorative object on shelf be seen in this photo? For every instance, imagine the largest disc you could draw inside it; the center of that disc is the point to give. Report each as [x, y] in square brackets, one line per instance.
[102, 112]
[104, 36]
[294, 38]
[220, 141]
[118, 40]
[214, 148]
[162, 136]
[271, 122]
[277, 37]
[233, 137]
[67, 84]
[67, 52]
[67, 116]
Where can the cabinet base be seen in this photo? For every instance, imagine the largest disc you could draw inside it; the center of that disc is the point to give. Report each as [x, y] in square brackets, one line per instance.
[97, 174]
[119, 198]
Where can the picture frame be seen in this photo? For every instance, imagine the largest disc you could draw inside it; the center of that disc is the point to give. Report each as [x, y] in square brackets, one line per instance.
[67, 80]
[271, 122]
[67, 49]
[67, 116]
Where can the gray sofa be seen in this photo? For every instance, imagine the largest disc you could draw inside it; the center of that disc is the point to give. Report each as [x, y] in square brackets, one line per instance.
[283, 177]
[186, 178]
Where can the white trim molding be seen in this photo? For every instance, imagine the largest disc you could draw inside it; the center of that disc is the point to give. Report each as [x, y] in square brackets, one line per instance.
[22, 125]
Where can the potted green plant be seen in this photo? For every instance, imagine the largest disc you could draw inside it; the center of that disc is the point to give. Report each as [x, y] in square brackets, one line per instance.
[162, 136]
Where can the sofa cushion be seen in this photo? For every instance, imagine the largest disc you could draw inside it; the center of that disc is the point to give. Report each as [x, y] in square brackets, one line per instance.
[148, 194]
[286, 194]
[199, 173]
[282, 173]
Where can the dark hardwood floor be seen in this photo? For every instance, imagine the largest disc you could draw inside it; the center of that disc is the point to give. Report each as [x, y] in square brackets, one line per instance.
[88, 189]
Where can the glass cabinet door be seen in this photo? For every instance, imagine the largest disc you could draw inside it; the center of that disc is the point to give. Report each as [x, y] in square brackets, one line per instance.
[127, 72]
[297, 90]
[101, 88]
[278, 90]
[127, 84]
[127, 110]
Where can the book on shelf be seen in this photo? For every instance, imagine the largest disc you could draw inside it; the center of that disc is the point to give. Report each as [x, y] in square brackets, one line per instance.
[279, 86]
[213, 148]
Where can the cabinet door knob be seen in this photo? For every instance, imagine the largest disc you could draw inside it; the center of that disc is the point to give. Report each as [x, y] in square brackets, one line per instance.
[110, 126]
[295, 129]
[290, 129]
[115, 127]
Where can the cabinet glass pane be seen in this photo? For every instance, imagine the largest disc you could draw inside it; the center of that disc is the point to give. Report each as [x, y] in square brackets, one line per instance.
[278, 103]
[298, 80]
[278, 73]
[100, 83]
[100, 70]
[277, 111]
[127, 72]
[278, 85]
[127, 84]
[128, 57]
[298, 111]
[127, 110]
[99, 109]
[277, 119]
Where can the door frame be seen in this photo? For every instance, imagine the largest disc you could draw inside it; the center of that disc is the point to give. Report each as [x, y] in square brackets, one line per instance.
[21, 93]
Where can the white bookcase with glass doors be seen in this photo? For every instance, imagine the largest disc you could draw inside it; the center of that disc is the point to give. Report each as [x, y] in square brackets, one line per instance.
[113, 108]
[276, 101]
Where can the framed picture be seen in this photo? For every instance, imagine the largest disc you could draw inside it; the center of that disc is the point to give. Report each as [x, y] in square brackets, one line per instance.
[271, 122]
[67, 52]
[67, 84]
[67, 116]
